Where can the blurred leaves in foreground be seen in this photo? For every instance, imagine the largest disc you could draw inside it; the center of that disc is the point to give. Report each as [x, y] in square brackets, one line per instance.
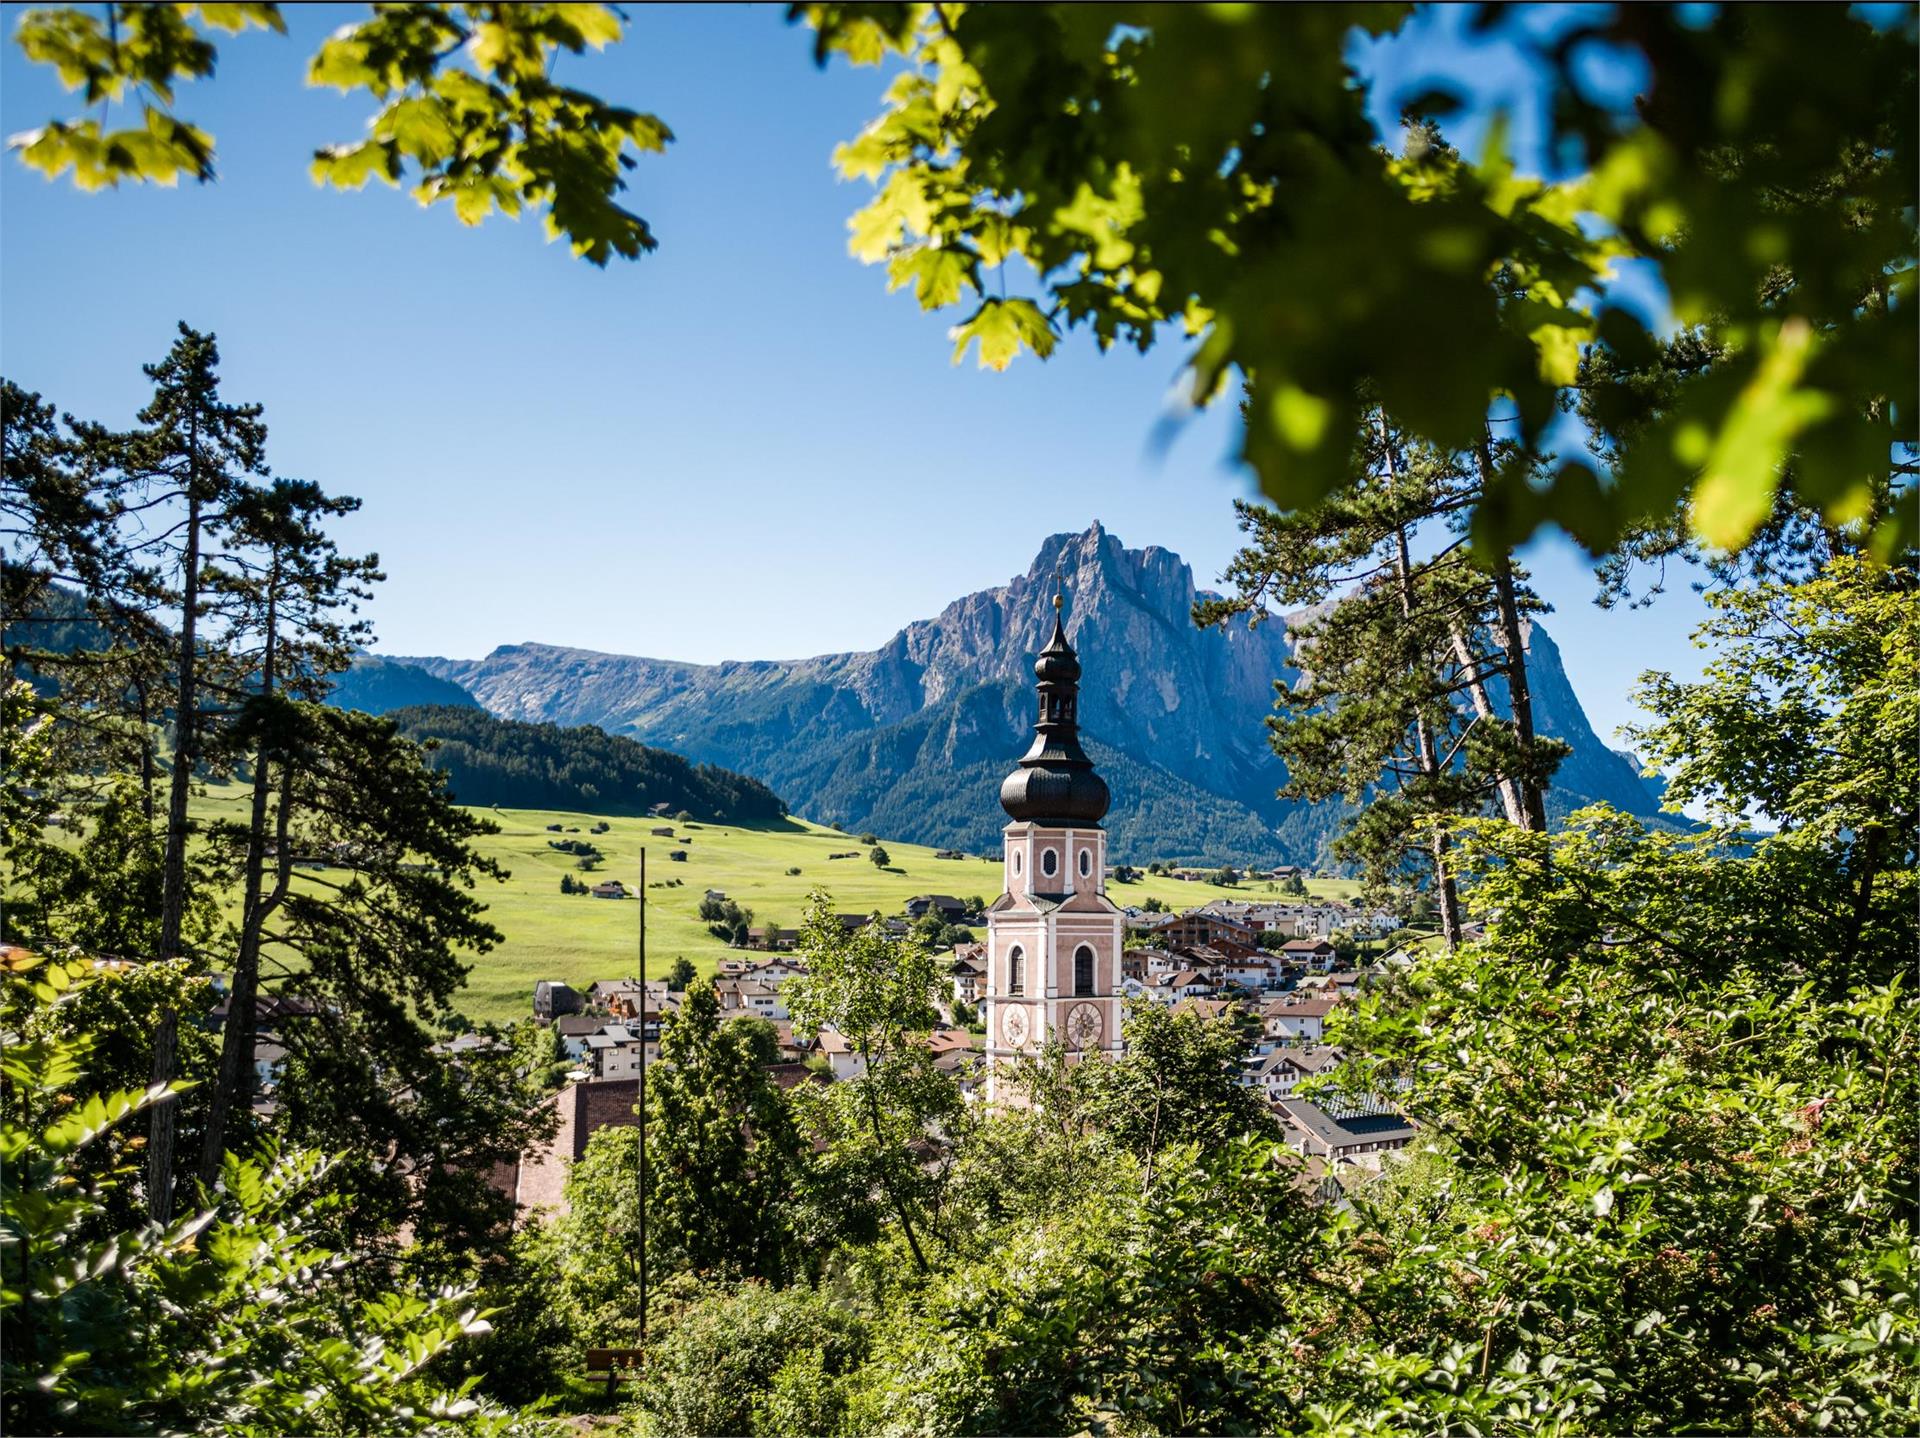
[1212, 170]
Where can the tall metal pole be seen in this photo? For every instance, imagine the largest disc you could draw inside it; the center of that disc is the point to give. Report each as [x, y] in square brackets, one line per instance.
[643, 1100]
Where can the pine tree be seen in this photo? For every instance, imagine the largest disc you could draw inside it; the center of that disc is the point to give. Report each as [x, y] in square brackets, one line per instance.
[297, 593]
[1395, 709]
[189, 464]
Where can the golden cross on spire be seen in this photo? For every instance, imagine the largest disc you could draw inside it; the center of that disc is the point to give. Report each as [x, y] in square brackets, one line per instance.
[1059, 583]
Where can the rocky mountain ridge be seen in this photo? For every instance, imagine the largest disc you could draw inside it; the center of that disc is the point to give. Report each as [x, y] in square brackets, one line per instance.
[911, 739]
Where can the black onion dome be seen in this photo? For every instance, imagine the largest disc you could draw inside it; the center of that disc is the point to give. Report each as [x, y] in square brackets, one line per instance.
[1055, 783]
[1057, 664]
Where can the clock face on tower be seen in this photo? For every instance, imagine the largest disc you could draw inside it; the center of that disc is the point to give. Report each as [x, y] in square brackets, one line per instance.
[1083, 1026]
[1013, 1027]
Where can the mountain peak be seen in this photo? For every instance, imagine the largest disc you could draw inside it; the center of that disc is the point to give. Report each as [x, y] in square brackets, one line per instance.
[911, 738]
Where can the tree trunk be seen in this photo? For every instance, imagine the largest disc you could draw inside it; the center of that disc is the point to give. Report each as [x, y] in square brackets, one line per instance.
[173, 894]
[893, 1195]
[1511, 803]
[1445, 891]
[1518, 691]
[1507, 634]
[1867, 851]
[147, 776]
[236, 1046]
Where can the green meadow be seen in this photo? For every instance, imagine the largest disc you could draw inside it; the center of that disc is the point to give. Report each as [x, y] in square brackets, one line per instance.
[577, 938]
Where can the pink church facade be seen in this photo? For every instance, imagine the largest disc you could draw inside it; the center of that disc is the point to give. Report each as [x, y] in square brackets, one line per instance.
[1054, 939]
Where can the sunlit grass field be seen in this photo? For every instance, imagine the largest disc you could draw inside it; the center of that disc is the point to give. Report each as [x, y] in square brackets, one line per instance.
[577, 938]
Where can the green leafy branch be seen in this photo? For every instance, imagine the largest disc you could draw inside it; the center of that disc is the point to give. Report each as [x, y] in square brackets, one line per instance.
[466, 97]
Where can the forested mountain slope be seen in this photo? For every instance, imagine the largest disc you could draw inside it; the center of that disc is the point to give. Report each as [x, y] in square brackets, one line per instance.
[491, 761]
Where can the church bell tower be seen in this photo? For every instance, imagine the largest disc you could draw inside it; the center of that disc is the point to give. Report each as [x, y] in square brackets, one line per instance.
[1053, 937]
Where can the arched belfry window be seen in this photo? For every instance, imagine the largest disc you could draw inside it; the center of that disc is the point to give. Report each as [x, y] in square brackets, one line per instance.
[1083, 970]
[1049, 863]
[1086, 863]
[1016, 970]
[1016, 863]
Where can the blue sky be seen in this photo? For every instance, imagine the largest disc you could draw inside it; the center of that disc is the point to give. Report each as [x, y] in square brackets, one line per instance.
[738, 447]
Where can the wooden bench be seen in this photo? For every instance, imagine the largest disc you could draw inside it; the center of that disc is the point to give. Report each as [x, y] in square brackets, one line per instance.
[616, 1363]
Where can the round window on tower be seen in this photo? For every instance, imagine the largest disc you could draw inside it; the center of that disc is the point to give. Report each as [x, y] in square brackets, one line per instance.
[1086, 863]
[1049, 862]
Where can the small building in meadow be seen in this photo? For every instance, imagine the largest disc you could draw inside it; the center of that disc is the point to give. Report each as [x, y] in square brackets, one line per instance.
[610, 889]
[553, 999]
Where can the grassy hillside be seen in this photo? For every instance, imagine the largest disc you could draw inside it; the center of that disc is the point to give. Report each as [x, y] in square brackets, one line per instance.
[578, 938]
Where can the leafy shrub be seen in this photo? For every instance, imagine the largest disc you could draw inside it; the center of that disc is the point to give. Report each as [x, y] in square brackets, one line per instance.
[231, 1319]
[753, 1360]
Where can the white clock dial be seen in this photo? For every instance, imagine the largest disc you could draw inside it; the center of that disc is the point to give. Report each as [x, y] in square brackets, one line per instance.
[1083, 1027]
[1013, 1027]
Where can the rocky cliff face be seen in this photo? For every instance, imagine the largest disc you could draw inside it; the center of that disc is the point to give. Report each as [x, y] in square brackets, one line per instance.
[912, 738]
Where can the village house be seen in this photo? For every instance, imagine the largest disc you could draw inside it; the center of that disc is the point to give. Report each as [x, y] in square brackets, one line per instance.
[955, 1056]
[1204, 957]
[952, 910]
[609, 889]
[1313, 921]
[1207, 1008]
[553, 999]
[841, 1059]
[1355, 1138]
[538, 1182]
[968, 972]
[574, 1030]
[1201, 927]
[1276, 1072]
[1316, 955]
[624, 998]
[615, 1051]
[1296, 1020]
[1181, 984]
[772, 940]
[269, 1057]
[1253, 971]
[775, 972]
[793, 1048]
[772, 972]
[750, 996]
[1259, 917]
